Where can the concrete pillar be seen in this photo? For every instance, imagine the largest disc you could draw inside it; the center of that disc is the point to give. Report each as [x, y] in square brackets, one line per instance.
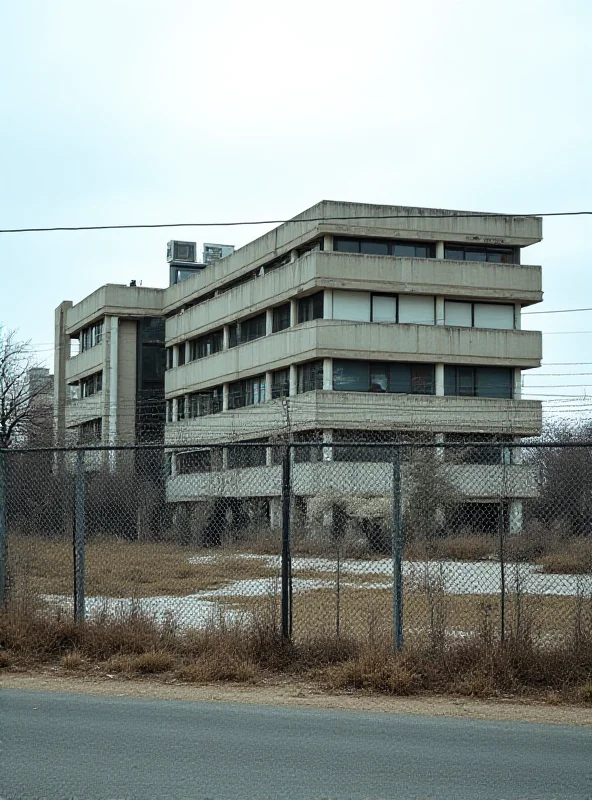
[175, 409]
[440, 315]
[175, 355]
[328, 304]
[174, 465]
[187, 346]
[439, 450]
[275, 513]
[113, 377]
[518, 316]
[516, 517]
[328, 374]
[293, 313]
[439, 380]
[294, 255]
[269, 321]
[225, 396]
[293, 380]
[439, 249]
[268, 386]
[225, 337]
[224, 458]
[516, 451]
[269, 456]
[328, 242]
[60, 356]
[328, 439]
[517, 383]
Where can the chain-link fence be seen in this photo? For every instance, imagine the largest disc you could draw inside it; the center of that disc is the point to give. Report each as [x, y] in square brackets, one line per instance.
[369, 538]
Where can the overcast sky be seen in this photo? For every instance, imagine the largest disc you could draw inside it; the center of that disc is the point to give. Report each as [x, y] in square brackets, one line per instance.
[124, 111]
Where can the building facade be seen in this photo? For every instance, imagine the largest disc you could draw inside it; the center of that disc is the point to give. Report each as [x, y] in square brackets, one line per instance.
[353, 322]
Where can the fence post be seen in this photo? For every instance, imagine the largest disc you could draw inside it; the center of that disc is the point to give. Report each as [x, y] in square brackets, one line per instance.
[397, 551]
[79, 501]
[286, 558]
[3, 540]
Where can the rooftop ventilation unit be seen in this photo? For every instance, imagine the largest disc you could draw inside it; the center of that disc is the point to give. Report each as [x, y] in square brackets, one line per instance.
[181, 251]
[214, 252]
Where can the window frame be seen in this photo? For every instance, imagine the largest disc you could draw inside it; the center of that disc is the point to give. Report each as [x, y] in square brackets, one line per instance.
[276, 316]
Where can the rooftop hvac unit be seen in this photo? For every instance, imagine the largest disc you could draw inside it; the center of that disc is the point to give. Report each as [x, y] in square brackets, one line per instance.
[214, 252]
[181, 251]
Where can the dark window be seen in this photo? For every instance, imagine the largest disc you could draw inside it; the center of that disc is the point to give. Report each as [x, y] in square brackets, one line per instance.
[342, 245]
[91, 336]
[90, 432]
[181, 408]
[497, 255]
[194, 461]
[169, 410]
[280, 384]
[310, 307]
[351, 376]
[412, 378]
[384, 247]
[281, 317]
[91, 385]
[169, 358]
[181, 349]
[202, 404]
[247, 330]
[249, 392]
[478, 381]
[466, 453]
[310, 376]
[251, 456]
[311, 452]
[374, 248]
[382, 377]
[206, 345]
[358, 452]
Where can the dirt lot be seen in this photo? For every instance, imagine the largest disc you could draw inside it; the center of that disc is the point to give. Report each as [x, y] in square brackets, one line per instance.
[296, 694]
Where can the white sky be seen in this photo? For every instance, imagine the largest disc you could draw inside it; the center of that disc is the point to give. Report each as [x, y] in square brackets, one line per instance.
[179, 110]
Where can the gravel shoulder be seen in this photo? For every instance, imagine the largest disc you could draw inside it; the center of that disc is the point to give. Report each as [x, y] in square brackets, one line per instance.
[296, 694]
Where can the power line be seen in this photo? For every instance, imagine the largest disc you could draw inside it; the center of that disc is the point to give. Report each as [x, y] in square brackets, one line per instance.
[557, 311]
[284, 221]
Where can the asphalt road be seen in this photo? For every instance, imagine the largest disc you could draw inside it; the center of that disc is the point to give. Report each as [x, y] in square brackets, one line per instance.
[74, 746]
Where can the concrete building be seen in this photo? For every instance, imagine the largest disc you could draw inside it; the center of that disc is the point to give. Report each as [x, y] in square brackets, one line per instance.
[109, 367]
[354, 322]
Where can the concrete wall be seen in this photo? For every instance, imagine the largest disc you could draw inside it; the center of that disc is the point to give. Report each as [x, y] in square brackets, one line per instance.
[112, 299]
[85, 363]
[126, 384]
[376, 341]
[451, 279]
[475, 228]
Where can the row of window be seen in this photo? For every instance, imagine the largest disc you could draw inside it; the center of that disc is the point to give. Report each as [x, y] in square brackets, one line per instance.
[395, 247]
[91, 385]
[90, 432]
[91, 336]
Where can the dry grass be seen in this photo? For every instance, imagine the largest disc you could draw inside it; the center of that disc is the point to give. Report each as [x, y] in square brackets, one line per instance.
[117, 568]
[575, 557]
[72, 660]
[453, 548]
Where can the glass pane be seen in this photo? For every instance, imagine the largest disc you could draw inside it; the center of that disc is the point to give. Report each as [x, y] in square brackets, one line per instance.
[449, 380]
[458, 314]
[374, 248]
[384, 308]
[494, 382]
[379, 377]
[317, 305]
[474, 254]
[466, 381]
[456, 253]
[502, 255]
[421, 251]
[422, 379]
[346, 245]
[351, 376]
[400, 378]
[407, 250]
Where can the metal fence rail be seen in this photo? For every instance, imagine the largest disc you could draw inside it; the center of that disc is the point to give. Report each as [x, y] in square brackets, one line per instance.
[391, 540]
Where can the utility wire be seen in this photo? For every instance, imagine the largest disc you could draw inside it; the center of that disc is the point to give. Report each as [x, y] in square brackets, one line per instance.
[284, 221]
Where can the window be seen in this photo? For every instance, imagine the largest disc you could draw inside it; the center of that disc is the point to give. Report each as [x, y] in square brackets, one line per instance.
[478, 381]
[281, 318]
[309, 452]
[90, 432]
[206, 345]
[496, 255]
[417, 309]
[169, 358]
[280, 384]
[479, 315]
[384, 308]
[91, 336]
[384, 247]
[253, 456]
[169, 410]
[91, 385]
[250, 392]
[310, 376]
[464, 454]
[181, 349]
[247, 330]
[351, 305]
[310, 307]
[191, 461]
[202, 404]
[181, 408]
[383, 377]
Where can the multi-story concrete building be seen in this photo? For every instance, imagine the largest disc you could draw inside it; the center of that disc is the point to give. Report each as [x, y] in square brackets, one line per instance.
[352, 322]
[109, 367]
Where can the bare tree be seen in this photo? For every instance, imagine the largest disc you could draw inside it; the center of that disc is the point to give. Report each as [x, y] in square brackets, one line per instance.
[25, 397]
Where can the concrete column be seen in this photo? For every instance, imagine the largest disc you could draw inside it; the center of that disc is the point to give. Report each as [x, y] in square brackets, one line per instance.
[275, 513]
[518, 316]
[269, 321]
[439, 249]
[293, 380]
[516, 517]
[328, 304]
[225, 337]
[440, 316]
[439, 450]
[225, 396]
[269, 456]
[294, 255]
[60, 356]
[174, 467]
[293, 313]
[175, 355]
[440, 380]
[327, 439]
[328, 242]
[268, 383]
[328, 374]
[175, 409]
[516, 452]
[517, 383]
[187, 351]
[113, 378]
[224, 458]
